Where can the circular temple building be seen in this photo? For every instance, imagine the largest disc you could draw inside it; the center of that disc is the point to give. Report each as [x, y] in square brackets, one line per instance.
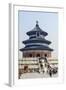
[36, 45]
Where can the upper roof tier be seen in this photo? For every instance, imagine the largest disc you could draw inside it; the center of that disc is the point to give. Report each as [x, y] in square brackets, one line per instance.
[37, 29]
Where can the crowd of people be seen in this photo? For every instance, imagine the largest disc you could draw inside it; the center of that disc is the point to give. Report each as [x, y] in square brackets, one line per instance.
[45, 67]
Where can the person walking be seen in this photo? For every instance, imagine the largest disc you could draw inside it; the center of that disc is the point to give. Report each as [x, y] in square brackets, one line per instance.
[45, 58]
[50, 73]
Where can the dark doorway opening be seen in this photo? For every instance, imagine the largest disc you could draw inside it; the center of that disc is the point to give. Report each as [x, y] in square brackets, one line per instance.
[30, 55]
[38, 55]
[45, 55]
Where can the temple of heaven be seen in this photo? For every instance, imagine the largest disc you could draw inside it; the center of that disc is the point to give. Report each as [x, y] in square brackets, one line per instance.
[36, 45]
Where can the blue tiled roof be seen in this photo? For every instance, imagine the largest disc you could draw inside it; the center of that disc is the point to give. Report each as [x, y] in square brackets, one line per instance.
[37, 29]
[36, 40]
[36, 47]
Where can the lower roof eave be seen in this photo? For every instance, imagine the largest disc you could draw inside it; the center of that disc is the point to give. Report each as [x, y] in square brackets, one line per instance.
[34, 49]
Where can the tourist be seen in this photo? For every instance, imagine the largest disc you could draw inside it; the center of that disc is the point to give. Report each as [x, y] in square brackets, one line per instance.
[45, 58]
[50, 73]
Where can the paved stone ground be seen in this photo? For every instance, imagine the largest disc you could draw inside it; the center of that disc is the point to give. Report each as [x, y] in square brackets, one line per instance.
[36, 75]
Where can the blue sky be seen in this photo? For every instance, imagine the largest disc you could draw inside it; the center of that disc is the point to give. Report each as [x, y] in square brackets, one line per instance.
[48, 22]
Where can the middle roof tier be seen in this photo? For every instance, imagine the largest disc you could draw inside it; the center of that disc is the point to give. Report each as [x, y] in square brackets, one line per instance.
[37, 40]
